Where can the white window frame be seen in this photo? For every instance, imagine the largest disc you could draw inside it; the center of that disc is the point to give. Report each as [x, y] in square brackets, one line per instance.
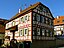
[13, 23]
[43, 32]
[38, 17]
[27, 32]
[21, 32]
[22, 19]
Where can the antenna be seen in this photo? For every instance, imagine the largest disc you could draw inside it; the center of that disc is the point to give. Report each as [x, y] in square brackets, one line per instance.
[25, 6]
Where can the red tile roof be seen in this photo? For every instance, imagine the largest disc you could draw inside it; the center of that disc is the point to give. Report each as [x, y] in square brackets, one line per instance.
[2, 25]
[60, 18]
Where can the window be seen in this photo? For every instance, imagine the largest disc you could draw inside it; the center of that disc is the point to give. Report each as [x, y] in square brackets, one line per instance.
[26, 31]
[47, 33]
[13, 23]
[43, 32]
[45, 20]
[21, 32]
[25, 17]
[22, 19]
[51, 22]
[34, 17]
[38, 17]
[58, 21]
[42, 19]
[38, 31]
[7, 25]
[48, 22]
[33, 32]
[63, 20]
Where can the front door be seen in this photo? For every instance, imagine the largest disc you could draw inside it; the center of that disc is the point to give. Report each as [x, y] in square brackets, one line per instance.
[27, 44]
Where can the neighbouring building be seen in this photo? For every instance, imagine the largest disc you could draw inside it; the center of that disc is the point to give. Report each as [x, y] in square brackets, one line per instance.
[59, 25]
[2, 30]
[35, 23]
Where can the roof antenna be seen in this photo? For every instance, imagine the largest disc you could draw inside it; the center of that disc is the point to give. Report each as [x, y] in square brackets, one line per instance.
[25, 6]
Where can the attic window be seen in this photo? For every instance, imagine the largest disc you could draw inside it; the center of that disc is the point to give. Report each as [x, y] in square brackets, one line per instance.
[58, 21]
[63, 20]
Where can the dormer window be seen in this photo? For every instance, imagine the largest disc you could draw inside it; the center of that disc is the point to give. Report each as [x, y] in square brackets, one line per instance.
[63, 20]
[58, 21]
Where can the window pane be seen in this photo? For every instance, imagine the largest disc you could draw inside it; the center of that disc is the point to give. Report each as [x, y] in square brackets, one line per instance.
[26, 31]
[38, 31]
[43, 32]
[63, 20]
[58, 21]
[21, 32]
[38, 17]
[42, 19]
[22, 19]
[25, 17]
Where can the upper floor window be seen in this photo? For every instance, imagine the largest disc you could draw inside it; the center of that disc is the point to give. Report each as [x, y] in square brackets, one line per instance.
[34, 16]
[21, 32]
[34, 31]
[38, 31]
[22, 19]
[13, 23]
[47, 32]
[7, 25]
[38, 17]
[63, 20]
[42, 19]
[43, 32]
[58, 21]
[25, 17]
[51, 21]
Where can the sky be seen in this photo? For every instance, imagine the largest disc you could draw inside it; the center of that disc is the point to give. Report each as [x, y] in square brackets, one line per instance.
[9, 8]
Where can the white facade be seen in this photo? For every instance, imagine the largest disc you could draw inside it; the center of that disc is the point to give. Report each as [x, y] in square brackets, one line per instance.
[58, 29]
[24, 28]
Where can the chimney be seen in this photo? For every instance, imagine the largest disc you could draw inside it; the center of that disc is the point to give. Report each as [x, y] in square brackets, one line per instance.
[19, 10]
[57, 17]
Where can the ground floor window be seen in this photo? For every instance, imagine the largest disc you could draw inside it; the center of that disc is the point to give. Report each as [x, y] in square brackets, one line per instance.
[43, 32]
[21, 32]
[38, 31]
